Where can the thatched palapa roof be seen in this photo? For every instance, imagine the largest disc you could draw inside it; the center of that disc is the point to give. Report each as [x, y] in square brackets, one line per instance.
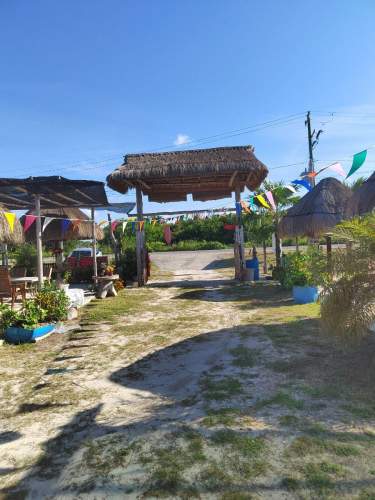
[205, 173]
[76, 231]
[318, 211]
[6, 235]
[363, 199]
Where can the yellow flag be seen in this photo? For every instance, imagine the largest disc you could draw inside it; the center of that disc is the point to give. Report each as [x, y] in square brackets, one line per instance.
[141, 224]
[10, 219]
[153, 222]
[262, 201]
[102, 223]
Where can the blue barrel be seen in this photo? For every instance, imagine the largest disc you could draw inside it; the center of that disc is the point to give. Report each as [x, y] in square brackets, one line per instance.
[253, 264]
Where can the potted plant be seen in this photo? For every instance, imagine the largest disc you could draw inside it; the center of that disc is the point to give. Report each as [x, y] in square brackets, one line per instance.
[304, 273]
[37, 317]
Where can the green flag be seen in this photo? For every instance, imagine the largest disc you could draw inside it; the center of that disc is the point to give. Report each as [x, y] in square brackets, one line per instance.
[358, 161]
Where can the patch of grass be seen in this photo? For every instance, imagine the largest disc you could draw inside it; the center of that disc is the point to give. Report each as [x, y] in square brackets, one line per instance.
[236, 495]
[225, 388]
[215, 478]
[281, 398]
[323, 391]
[159, 339]
[312, 445]
[245, 445]
[318, 475]
[290, 483]
[244, 357]
[365, 411]
[289, 420]
[367, 494]
[222, 416]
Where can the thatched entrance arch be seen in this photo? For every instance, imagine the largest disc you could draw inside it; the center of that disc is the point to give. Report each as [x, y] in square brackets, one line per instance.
[206, 174]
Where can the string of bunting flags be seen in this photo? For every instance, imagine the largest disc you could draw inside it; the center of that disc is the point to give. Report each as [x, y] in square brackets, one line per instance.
[263, 200]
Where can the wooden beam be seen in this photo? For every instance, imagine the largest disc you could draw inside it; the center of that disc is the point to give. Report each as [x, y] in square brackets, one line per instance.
[231, 181]
[144, 185]
[39, 246]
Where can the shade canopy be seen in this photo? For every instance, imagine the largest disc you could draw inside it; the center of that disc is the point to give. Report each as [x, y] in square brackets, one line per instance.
[207, 174]
[79, 229]
[363, 199]
[318, 211]
[8, 236]
[54, 191]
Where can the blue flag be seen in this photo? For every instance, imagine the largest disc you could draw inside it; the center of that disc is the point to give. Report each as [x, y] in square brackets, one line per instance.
[65, 223]
[238, 209]
[304, 183]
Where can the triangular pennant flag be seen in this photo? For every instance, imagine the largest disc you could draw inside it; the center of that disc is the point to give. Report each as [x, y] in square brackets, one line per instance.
[262, 201]
[124, 224]
[141, 224]
[133, 226]
[358, 161]
[75, 225]
[153, 222]
[10, 219]
[47, 221]
[238, 209]
[114, 224]
[291, 188]
[270, 198]
[336, 167]
[251, 203]
[101, 223]
[303, 183]
[245, 206]
[65, 224]
[29, 221]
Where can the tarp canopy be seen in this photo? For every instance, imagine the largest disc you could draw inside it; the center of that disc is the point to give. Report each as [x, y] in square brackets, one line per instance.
[119, 208]
[54, 192]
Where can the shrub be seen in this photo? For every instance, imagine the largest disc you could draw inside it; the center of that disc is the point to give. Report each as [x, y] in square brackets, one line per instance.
[128, 264]
[28, 317]
[53, 302]
[304, 269]
[348, 305]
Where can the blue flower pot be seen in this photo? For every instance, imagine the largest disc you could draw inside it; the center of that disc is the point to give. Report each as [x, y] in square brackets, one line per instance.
[305, 294]
[17, 335]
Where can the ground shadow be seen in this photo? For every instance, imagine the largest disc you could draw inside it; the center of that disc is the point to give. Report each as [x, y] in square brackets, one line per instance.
[220, 264]
[208, 283]
[174, 373]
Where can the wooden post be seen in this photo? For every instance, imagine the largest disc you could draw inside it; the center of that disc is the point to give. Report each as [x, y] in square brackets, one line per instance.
[114, 241]
[265, 267]
[94, 262]
[239, 260]
[39, 246]
[329, 252]
[297, 244]
[140, 240]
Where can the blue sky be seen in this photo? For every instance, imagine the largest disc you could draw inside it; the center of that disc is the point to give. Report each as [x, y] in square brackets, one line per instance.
[85, 81]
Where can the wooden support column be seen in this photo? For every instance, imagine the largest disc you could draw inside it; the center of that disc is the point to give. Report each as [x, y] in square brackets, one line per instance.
[39, 246]
[329, 252]
[140, 240]
[94, 261]
[239, 258]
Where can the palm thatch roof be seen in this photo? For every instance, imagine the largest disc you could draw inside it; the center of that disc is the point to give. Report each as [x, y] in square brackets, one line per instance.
[205, 173]
[318, 211]
[363, 199]
[6, 235]
[80, 229]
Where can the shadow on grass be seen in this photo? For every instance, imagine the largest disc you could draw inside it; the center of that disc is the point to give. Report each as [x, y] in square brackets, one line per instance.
[220, 264]
[175, 373]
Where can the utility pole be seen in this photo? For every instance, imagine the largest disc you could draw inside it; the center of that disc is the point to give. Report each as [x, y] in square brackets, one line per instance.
[312, 143]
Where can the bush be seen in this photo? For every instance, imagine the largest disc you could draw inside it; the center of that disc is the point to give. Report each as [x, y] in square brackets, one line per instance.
[186, 245]
[303, 269]
[53, 302]
[128, 264]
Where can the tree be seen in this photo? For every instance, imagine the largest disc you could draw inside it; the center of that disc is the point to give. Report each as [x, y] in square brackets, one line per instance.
[269, 220]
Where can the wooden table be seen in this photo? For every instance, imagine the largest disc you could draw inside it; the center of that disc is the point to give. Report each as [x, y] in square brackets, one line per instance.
[105, 286]
[22, 282]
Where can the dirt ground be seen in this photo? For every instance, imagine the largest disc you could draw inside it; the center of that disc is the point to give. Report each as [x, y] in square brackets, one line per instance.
[193, 387]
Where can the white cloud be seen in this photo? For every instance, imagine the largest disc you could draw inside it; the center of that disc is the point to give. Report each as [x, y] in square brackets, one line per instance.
[181, 139]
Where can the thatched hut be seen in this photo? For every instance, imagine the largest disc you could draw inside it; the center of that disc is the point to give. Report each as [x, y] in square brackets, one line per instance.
[363, 199]
[7, 236]
[80, 229]
[318, 211]
[205, 173]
